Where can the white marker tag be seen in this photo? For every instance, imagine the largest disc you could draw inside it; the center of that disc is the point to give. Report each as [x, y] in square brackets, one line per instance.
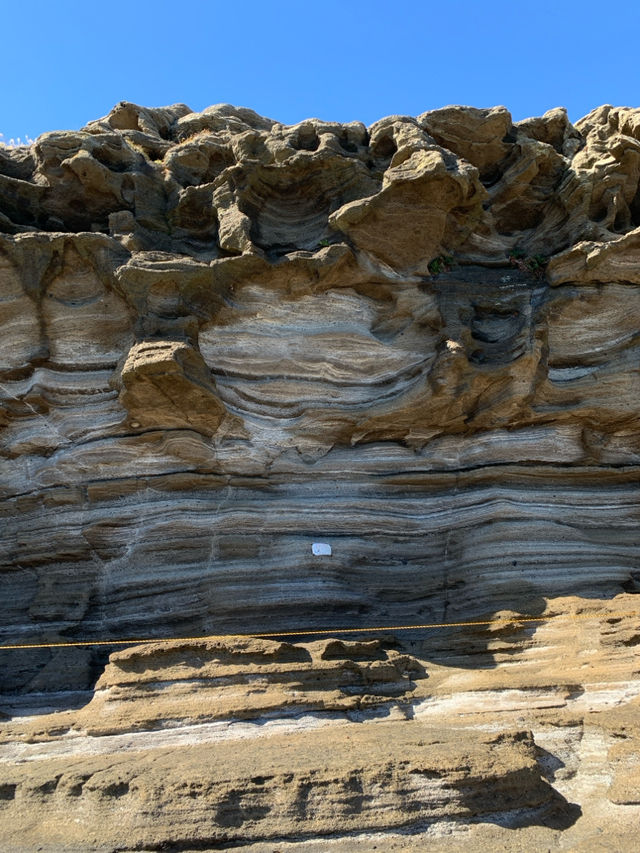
[321, 549]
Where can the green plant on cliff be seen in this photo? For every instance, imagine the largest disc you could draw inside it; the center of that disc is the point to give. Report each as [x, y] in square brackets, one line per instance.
[442, 263]
[537, 262]
[528, 263]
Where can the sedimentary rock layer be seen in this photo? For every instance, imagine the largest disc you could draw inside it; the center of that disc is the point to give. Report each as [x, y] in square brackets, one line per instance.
[232, 743]
[225, 340]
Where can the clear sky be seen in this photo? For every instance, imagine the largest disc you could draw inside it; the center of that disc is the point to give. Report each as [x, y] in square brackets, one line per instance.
[69, 61]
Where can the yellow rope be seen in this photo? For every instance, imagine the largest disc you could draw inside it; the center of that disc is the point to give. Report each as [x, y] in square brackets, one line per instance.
[322, 631]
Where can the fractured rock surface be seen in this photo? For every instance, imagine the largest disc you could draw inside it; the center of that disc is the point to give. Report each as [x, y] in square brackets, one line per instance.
[225, 339]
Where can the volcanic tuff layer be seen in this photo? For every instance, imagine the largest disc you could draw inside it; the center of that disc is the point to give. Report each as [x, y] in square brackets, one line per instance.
[225, 339]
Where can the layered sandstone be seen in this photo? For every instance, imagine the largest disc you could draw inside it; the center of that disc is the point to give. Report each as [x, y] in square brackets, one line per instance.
[225, 339]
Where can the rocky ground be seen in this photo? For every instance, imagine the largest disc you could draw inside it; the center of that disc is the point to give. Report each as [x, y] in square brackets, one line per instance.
[225, 340]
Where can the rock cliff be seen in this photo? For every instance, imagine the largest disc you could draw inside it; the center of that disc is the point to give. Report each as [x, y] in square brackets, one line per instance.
[225, 340]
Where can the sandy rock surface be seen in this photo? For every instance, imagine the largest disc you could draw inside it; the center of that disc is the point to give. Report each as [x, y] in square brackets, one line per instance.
[224, 340]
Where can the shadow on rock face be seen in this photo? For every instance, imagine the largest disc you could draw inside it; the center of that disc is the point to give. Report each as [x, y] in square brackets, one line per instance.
[520, 797]
[559, 814]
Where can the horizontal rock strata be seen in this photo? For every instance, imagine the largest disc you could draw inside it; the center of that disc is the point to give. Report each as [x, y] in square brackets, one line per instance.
[220, 743]
[224, 340]
[218, 795]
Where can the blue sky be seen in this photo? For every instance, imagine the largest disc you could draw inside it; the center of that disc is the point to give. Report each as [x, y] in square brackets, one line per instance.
[68, 62]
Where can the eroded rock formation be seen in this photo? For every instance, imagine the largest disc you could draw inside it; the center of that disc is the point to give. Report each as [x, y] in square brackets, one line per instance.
[225, 339]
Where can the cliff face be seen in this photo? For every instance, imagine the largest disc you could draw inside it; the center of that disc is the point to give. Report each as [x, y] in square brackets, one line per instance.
[225, 340]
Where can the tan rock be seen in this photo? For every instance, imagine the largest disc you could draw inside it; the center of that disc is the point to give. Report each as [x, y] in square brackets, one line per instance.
[399, 776]
[422, 204]
[553, 128]
[480, 136]
[611, 261]
[167, 385]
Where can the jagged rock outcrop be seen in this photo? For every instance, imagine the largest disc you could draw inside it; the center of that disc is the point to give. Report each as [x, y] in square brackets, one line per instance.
[225, 339]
